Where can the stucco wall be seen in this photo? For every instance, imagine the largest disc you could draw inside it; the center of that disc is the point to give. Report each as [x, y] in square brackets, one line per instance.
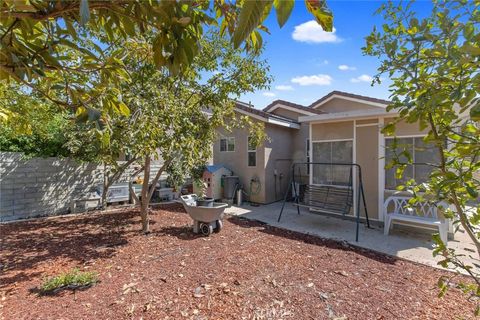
[332, 131]
[403, 128]
[278, 159]
[367, 157]
[237, 161]
[287, 113]
[45, 186]
[342, 105]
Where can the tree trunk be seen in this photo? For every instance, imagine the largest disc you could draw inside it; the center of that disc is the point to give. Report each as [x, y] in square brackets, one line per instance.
[103, 200]
[144, 202]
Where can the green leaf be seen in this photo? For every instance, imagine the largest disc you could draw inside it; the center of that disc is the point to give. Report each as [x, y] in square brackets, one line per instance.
[472, 192]
[283, 9]
[475, 112]
[250, 17]
[322, 14]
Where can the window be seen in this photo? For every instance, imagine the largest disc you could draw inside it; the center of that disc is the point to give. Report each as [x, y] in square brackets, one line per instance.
[227, 144]
[252, 153]
[421, 155]
[332, 152]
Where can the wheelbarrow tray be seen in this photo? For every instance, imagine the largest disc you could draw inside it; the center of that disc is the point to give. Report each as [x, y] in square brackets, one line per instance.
[206, 214]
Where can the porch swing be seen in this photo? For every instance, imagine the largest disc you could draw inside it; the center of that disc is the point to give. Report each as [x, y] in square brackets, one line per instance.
[334, 197]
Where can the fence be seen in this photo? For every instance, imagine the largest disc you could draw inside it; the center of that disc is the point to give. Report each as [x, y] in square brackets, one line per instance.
[45, 186]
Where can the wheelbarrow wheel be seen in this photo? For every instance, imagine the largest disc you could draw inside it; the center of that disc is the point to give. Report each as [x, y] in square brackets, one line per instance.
[219, 226]
[206, 229]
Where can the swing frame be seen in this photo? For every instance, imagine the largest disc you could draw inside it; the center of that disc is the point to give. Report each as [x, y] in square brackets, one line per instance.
[360, 196]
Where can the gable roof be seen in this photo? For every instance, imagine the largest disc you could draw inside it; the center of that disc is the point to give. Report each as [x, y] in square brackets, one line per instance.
[350, 96]
[261, 115]
[289, 106]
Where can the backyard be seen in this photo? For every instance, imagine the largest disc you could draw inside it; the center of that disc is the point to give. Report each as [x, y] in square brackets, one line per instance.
[248, 271]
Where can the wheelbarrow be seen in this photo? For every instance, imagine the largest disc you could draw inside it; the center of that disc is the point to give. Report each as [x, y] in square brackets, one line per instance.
[206, 220]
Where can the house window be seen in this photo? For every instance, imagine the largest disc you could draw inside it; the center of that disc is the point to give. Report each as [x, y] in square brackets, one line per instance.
[227, 144]
[331, 152]
[252, 152]
[421, 155]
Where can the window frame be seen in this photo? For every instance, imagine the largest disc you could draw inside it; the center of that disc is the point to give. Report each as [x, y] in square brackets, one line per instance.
[251, 151]
[331, 155]
[413, 164]
[227, 139]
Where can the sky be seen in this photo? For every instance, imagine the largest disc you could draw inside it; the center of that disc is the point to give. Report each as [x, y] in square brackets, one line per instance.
[307, 63]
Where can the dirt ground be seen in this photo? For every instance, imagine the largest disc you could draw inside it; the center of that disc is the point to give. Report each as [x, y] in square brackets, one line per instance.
[248, 271]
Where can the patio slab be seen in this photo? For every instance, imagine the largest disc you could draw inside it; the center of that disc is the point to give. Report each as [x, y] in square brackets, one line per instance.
[411, 244]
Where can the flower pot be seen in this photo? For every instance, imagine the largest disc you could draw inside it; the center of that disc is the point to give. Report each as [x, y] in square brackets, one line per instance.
[205, 202]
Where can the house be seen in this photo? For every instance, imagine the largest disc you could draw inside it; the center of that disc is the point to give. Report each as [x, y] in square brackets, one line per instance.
[339, 127]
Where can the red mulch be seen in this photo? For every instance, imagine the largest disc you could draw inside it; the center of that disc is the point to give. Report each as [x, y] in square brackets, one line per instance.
[248, 271]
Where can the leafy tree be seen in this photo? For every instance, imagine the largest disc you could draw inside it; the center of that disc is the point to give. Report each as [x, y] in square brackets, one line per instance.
[38, 39]
[38, 131]
[434, 65]
[174, 119]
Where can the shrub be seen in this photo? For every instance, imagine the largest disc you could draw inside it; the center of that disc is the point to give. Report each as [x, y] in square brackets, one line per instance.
[73, 279]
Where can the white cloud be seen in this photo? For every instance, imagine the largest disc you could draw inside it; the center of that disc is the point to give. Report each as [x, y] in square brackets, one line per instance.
[362, 78]
[345, 67]
[312, 32]
[317, 80]
[269, 94]
[283, 87]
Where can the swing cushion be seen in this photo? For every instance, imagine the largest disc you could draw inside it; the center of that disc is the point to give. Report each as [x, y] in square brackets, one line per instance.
[328, 198]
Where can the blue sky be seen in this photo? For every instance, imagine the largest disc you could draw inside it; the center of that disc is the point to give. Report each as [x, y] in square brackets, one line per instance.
[307, 63]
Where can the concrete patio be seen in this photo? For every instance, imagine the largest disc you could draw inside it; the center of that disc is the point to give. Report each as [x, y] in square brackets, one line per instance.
[404, 242]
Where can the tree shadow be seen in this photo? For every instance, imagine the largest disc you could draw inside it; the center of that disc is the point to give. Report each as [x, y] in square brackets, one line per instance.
[79, 239]
[311, 239]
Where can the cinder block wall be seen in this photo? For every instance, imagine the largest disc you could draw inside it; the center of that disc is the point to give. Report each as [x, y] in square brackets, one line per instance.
[45, 186]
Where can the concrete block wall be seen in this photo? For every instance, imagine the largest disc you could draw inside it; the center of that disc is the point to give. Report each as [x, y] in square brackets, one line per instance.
[45, 186]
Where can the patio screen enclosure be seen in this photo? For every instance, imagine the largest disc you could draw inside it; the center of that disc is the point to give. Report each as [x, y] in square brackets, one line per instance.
[332, 188]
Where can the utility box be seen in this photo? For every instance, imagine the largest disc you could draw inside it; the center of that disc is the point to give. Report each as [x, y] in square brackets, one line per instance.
[212, 179]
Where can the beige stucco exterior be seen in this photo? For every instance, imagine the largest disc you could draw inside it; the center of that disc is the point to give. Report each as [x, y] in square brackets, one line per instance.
[341, 105]
[344, 120]
[368, 144]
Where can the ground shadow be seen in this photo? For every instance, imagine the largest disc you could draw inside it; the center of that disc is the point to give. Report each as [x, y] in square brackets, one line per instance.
[80, 239]
[311, 239]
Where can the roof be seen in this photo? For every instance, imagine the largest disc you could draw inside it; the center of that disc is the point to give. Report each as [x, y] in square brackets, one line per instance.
[278, 103]
[214, 168]
[340, 94]
[248, 109]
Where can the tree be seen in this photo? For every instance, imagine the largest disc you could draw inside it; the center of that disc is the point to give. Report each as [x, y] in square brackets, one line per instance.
[174, 119]
[35, 36]
[434, 64]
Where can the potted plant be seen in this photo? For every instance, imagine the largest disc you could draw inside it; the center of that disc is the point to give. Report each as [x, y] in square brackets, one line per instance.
[203, 200]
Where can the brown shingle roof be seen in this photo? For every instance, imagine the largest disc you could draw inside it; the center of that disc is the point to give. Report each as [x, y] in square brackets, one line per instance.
[292, 105]
[349, 95]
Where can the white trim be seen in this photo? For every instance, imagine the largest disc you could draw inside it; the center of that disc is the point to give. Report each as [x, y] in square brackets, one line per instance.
[310, 178]
[269, 120]
[248, 152]
[349, 115]
[381, 170]
[354, 160]
[406, 136]
[279, 105]
[284, 124]
[367, 125]
[364, 101]
[333, 140]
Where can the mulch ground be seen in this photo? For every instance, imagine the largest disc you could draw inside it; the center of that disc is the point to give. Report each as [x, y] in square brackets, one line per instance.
[248, 271]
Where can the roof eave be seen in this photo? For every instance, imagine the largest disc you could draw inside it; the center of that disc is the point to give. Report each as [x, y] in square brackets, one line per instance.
[345, 116]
